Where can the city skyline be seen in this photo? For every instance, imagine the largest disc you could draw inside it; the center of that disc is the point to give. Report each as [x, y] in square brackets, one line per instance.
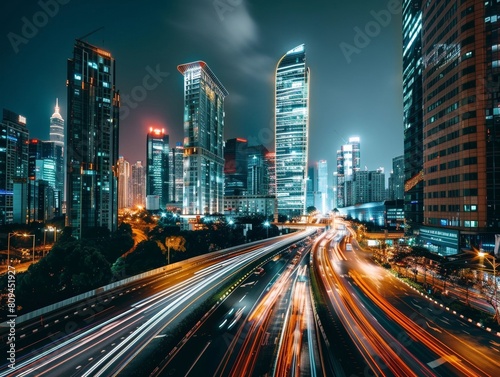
[241, 44]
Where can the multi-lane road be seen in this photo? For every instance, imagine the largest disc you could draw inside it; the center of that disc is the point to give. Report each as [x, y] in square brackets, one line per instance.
[321, 307]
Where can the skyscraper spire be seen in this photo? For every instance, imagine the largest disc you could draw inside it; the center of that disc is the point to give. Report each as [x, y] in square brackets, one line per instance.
[57, 105]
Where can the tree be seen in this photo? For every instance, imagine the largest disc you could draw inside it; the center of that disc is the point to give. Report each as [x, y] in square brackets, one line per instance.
[146, 256]
[175, 243]
[311, 209]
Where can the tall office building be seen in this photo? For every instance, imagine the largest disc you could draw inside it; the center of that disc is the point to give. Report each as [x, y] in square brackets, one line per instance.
[348, 162]
[177, 173]
[157, 151]
[323, 186]
[57, 137]
[123, 183]
[312, 186]
[271, 171]
[137, 185]
[45, 163]
[91, 150]
[397, 179]
[57, 127]
[235, 167]
[461, 138]
[413, 114]
[13, 167]
[291, 131]
[377, 185]
[257, 171]
[203, 140]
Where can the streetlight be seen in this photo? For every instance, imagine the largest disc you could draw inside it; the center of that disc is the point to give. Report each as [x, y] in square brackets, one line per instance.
[10, 235]
[49, 229]
[482, 255]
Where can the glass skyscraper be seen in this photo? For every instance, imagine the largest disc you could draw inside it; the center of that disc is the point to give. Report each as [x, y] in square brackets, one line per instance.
[291, 131]
[348, 162]
[91, 150]
[413, 114]
[157, 165]
[203, 140]
[13, 166]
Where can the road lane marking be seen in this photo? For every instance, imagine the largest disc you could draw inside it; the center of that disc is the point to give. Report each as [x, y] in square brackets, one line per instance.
[442, 360]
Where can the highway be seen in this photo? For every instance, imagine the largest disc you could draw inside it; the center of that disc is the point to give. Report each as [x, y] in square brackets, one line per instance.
[108, 342]
[393, 327]
[248, 334]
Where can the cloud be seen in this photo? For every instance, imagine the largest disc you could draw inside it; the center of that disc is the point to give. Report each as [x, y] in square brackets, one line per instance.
[228, 28]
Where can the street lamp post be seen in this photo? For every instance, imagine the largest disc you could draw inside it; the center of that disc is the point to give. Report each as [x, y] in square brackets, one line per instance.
[493, 264]
[8, 246]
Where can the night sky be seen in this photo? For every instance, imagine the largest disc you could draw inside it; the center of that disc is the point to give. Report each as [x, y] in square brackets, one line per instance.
[355, 87]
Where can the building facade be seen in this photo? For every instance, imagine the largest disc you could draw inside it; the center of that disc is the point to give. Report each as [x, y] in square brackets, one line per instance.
[123, 183]
[413, 115]
[157, 156]
[235, 167]
[13, 167]
[257, 170]
[138, 185]
[203, 140]
[291, 131]
[397, 179]
[92, 135]
[461, 134]
[348, 162]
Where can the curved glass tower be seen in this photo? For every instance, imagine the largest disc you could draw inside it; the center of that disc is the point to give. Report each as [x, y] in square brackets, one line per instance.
[291, 131]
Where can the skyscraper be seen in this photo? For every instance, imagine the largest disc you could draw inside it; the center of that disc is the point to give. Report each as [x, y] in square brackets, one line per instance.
[461, 137]
[13, 167]
[397, 179]
[203, 139]
[123, 183]
[257, 172]
[235, 167]
[57, 133]
[138, 185]
[413, 114]
[177, 173]
[157, 151]
[91, 150]
[323, 186]
[348, 162]
[291, 131]
[57, 127]
[45, 163]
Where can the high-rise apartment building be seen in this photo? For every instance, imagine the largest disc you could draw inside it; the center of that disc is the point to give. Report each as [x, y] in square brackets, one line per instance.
[137, 185]
[123, 183]
[459, 62]
[291, 131]
[203, 140]
[13, 167]
[91, 150]
[157, 152]
[413, 114]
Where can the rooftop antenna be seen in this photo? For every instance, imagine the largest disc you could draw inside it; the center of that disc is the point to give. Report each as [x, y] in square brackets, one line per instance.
[92, 32]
